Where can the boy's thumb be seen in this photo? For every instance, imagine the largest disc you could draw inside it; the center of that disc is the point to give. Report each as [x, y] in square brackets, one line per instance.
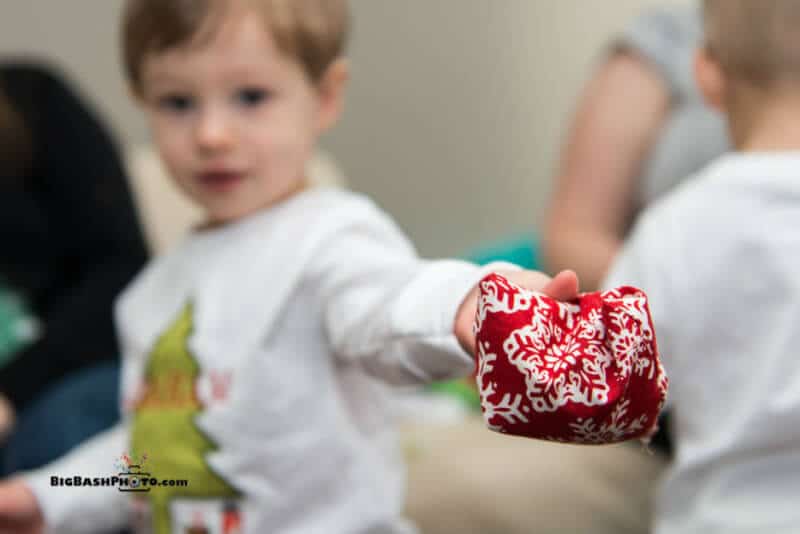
[564, 286]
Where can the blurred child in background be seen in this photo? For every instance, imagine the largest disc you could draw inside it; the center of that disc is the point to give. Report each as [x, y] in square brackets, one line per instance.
[719, 259]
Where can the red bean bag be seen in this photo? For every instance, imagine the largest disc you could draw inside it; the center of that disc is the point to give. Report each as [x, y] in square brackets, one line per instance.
[585, 371]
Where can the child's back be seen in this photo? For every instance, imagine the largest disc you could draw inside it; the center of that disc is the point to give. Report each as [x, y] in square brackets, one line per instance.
[720, 259]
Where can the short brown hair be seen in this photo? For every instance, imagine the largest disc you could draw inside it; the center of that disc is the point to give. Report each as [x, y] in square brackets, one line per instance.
[314, 32]
[757, 41]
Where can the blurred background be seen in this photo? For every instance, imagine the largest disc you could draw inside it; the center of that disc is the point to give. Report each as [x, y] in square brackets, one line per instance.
[456, 110]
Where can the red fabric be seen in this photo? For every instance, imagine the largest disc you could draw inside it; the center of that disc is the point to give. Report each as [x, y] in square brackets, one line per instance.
[580, 372]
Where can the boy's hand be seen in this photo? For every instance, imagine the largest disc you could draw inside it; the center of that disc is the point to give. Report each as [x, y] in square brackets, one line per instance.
[19, 509]
[563, 287]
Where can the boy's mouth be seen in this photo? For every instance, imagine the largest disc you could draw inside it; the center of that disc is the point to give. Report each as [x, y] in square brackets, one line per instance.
[221, 180]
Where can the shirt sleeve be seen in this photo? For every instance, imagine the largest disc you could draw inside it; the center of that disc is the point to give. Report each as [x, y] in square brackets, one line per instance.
[666, 38]
[387, 310]
[80, 509]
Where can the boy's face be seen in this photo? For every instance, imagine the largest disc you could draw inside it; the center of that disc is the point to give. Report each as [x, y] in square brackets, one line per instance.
[235, 121]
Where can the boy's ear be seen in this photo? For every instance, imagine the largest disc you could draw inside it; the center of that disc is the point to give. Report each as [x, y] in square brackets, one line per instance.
[331, 93]
[710, 79]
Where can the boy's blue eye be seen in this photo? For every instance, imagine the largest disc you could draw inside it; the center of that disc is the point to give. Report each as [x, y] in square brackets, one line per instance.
[177, 103]
[251, 96]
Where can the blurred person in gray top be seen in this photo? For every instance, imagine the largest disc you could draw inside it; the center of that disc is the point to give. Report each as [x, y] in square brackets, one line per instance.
[640, 128]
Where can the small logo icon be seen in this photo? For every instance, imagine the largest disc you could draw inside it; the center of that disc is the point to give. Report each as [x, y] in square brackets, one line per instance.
[132, 477]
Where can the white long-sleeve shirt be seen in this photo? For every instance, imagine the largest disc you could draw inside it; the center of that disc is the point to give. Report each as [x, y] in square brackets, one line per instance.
[255, 363]
[720, 261]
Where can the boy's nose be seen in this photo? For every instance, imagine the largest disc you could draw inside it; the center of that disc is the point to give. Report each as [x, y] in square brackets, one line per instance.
[213, 132]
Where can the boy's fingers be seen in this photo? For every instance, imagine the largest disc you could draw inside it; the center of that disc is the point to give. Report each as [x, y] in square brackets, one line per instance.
[564, 286]
[533, 280]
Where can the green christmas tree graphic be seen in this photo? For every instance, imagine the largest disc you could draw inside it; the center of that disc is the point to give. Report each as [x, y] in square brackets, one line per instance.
[164, 426]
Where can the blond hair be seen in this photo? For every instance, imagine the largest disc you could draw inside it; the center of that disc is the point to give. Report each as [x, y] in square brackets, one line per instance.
[756, 41]
[313, 32]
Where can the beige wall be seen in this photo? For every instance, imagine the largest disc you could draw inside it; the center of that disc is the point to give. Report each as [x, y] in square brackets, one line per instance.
[456, 109]
[81, 37]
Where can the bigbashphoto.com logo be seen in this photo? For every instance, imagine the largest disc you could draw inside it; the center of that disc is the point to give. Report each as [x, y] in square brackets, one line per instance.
[131, 476]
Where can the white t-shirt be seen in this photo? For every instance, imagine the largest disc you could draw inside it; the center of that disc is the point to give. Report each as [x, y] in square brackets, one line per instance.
[256, 358]
[720, 261]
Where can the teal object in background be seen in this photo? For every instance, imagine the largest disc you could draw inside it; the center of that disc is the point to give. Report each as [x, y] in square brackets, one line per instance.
[522, 250]
[18, 326]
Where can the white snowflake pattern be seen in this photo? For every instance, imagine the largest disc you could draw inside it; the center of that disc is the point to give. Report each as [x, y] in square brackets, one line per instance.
[618, 429]
[593, 327]
[500, 295]
[631, 336]
[663, 384]
[509, 408]
[558, 366]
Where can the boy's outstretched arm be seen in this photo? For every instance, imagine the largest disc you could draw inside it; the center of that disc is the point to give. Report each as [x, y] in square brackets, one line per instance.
[392, 313]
